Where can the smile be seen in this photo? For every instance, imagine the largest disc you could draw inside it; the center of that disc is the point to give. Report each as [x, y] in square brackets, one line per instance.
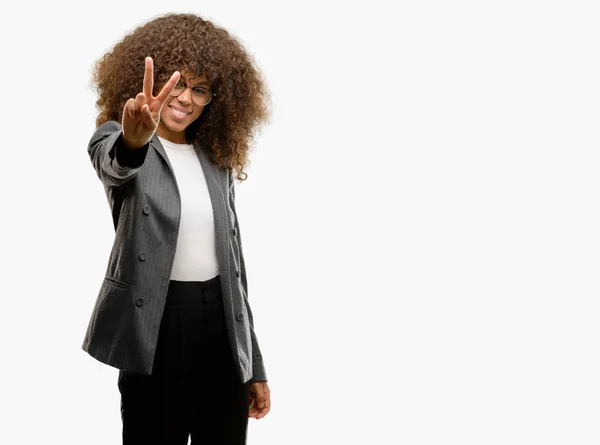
[177, 113]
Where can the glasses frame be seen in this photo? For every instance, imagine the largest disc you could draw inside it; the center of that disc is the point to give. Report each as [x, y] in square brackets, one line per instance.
[213, 94]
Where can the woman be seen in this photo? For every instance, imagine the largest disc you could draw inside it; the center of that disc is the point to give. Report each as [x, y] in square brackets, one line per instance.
[172, 313]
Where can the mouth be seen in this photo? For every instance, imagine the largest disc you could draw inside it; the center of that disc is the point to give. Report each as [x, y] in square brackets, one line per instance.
[178, 114]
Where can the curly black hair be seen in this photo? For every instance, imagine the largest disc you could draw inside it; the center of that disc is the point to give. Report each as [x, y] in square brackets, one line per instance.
[189, 42]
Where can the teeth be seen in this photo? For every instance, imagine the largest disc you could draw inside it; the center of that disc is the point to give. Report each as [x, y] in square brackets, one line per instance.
[177, 112]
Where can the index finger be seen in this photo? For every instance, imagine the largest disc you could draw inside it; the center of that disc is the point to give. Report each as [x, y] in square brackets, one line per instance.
[148, 77]
[166, 90]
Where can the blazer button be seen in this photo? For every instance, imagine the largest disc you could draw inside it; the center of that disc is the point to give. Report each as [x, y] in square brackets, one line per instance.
[142, 256]
[237, 272]
[146, 209]
[139, 302]
[240, 316]
[234, 231]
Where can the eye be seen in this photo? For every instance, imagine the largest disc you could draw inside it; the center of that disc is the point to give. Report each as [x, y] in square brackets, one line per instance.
[180, 84]
[200, 90]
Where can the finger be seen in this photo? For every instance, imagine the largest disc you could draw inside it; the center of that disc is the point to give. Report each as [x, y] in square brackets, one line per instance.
[266, 406]
[261, 400]
[264, 403]
[129, 108]
[260, 395]
[166, 90]
[261, 413]
[140, 100]
[256, 410]
[148, 77]
[146, 116]
[264, 412]
[253, 409]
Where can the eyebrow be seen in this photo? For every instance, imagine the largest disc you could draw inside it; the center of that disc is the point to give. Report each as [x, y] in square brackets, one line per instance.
[204, 82]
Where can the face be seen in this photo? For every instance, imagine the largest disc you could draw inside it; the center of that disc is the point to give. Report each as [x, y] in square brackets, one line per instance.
[179, 112]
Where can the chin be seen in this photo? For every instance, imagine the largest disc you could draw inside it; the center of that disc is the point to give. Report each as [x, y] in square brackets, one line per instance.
[176, 126]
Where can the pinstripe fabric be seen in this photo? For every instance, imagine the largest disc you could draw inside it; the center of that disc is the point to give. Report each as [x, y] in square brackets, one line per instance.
[144, 199]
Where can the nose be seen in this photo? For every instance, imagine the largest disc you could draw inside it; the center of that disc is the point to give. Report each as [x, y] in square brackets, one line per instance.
[185, 96]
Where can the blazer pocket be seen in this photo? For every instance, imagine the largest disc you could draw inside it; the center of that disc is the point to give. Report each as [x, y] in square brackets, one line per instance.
[116, 282]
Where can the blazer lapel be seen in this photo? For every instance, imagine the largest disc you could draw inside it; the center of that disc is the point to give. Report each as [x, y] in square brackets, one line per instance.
[216, 181]
[155, 142]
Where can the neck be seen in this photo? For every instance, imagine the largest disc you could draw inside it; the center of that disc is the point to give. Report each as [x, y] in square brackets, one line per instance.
[176, 138]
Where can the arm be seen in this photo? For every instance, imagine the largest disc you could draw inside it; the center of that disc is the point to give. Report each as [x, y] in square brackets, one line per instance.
[115, 164]
[258, 367]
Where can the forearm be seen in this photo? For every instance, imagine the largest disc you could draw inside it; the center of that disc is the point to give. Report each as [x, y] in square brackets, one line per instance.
[114, 163]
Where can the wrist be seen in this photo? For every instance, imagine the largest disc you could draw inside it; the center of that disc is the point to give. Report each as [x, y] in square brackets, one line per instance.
[130, 145]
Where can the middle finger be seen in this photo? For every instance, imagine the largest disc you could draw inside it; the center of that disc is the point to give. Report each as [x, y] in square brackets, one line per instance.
[166, 90]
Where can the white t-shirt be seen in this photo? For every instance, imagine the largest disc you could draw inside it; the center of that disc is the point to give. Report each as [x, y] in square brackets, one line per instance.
[196, 253]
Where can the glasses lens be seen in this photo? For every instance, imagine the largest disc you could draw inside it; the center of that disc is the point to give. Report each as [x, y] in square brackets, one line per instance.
[178, 89]
[201, 96]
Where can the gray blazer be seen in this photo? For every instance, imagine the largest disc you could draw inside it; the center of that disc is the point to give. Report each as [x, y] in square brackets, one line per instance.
[143, 196]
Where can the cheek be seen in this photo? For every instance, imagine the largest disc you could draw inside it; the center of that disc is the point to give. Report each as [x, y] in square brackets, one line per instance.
[164, 112]
[197, 113]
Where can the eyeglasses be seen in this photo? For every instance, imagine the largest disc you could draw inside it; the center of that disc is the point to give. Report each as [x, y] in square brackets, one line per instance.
[202, 96]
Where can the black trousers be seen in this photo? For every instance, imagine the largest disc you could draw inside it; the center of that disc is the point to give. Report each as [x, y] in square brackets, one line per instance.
[194, 389]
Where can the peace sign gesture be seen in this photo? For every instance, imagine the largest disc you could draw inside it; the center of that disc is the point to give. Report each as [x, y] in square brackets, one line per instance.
[142, 114]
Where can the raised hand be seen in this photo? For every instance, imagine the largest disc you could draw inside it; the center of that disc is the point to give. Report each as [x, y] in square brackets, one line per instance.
[142, 114]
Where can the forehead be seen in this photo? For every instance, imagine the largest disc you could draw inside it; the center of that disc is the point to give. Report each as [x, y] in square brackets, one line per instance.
[192, 79]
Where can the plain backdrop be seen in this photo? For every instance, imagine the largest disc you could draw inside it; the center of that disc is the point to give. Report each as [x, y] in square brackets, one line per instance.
[420, 221]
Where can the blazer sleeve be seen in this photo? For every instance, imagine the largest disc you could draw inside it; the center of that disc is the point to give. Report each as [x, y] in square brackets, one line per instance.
[114, 163]
[258, 367]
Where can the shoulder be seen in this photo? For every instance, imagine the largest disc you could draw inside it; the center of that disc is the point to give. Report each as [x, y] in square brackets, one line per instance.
[109, 126]
[104, 131]
[106, 128]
